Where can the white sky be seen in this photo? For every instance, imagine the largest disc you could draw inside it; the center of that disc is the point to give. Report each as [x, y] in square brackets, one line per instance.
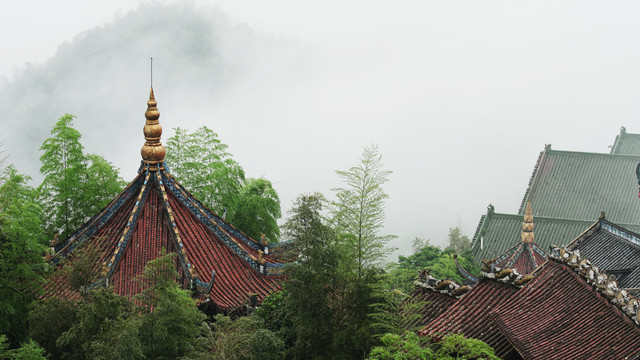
[460, 95]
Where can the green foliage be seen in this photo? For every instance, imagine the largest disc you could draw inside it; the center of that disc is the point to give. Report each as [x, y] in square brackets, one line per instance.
[29, 350]
[75, 185]
[409, 346]
[95, 317]
[313, 280]
[456, 346]
[358, 214]
[401, 347]
[440, 262]
[240, 339]
[21, 248]
[80, 273]
[108, 326]
[200, 161]
[257, 210]
[168, 331]
[273, 314]
[63, 167]
[48, 320]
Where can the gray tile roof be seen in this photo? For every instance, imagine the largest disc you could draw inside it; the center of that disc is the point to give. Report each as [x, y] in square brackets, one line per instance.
[612, 248]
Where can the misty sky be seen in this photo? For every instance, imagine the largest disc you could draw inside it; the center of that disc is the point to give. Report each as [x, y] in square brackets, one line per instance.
[461, 96]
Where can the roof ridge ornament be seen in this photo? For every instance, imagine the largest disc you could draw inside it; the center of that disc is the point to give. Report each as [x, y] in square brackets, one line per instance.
[152, 151]
[527, 224]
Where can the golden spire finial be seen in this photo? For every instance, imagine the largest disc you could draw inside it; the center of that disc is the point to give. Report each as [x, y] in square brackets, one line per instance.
[527, 224]
[152, 151]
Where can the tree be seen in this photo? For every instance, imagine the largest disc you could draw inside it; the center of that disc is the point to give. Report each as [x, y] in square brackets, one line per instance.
[257, 210]
[29, 350]
[401, 347]
[63, 166]
[200, 161]
[21, 248]
[172, 319]
[441, 263]
[75, 185]
[48, 320]
[358, 213]
[458, 241]
[313, 279]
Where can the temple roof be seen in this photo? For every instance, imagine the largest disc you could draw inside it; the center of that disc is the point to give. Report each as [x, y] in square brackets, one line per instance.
[580, 185]
[626, 144]
[558, 315]
[470, 316]
[424, 306]
[497, 232]
[567, 309]
[613, 249]
[155, 214]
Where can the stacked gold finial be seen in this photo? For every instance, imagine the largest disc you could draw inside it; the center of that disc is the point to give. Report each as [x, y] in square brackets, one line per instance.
[527, 224]
[152, 151]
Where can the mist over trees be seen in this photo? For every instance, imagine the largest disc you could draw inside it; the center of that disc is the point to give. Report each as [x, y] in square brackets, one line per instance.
[198, 51]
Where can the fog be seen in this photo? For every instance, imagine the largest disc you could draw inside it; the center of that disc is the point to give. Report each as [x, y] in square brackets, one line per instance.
[460, 96]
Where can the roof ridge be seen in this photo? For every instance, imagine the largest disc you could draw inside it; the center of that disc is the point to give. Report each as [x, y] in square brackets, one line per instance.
[605, 285]
[571, 152]
[532, 178]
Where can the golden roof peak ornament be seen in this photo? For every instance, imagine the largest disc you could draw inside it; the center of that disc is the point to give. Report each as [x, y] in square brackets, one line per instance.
[152, 151]
[527, 224]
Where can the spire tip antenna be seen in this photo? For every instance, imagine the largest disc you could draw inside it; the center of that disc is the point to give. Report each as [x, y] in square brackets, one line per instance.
[152, 72]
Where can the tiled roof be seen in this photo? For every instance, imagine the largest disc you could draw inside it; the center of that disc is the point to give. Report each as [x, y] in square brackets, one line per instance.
[497, 233]
[155, 214]
[430, 304]
[626, 144]
[470, 316]
[578, 185]
[613, 249]
[523, 257]
[558, 315]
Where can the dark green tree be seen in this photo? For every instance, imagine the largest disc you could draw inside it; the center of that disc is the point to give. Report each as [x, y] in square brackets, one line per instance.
[313, 279]
[48, 320]
[21, 249]
[257, 210]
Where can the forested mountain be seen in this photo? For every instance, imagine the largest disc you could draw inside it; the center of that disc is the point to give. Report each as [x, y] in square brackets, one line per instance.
[102, 77]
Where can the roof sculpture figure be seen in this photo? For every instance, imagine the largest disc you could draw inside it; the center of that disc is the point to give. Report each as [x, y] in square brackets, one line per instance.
[154, 214]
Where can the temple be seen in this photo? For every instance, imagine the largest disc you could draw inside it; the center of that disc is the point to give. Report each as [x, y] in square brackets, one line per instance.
[225, 269]
[566, 309]
[570, 190]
